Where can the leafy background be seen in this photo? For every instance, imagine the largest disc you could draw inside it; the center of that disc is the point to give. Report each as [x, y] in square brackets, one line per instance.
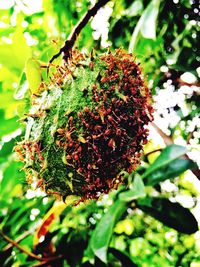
[151, 220]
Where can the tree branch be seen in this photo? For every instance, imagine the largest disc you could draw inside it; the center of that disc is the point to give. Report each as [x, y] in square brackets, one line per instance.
[20, 238]
[167, 139]
[153, 151]
[69, 43]
[30, 254]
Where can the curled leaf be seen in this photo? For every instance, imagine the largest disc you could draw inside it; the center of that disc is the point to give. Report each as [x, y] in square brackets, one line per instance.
[33, 74]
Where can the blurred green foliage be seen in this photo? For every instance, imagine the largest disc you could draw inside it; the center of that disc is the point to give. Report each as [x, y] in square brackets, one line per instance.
[149, 220]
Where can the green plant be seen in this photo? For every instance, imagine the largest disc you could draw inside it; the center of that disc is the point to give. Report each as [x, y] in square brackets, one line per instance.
[151, 220]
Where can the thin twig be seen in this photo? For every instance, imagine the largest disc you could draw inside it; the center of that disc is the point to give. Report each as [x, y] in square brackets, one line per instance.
[180, 258]
[167, 139]
[154, 151]
[30, 254]
[69, 43]
[20, 238]
[191, 134]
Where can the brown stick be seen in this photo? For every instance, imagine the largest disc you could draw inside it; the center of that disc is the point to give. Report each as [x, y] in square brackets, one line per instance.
[167, 139]
[30, 254]
[69, 43]
[20, 238]
[153, 151]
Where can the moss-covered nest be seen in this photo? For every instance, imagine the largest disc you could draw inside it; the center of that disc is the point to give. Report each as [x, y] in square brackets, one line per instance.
[87, 125]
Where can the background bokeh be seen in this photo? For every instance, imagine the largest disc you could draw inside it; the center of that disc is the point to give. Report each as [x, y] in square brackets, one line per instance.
[152, 219]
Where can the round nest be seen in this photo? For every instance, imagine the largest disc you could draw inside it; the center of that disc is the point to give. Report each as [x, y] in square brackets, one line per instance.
[87, 125]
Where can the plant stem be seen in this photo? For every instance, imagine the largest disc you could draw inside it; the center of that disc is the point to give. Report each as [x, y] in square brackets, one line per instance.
[167, 139]
[20, 238]
[69, 43]
[153, 151]
[30, 254]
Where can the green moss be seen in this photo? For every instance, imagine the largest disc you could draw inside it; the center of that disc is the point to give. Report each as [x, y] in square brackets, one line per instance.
[83, 129]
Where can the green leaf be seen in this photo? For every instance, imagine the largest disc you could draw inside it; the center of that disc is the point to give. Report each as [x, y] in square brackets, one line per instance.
[102, 234]
[146, 24]
[135, 8]
[23, 93]
[171, 214]
[169, 154]
[6, 31]
[7, 148]
[14, 55]
[178, 46]
[7, 126]
[8, 103]
[33, 74]
[16, 217]
[171, 170]
[12, 177]
[137, 190]
[148, 27]
[22, 88]
[173, 57]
